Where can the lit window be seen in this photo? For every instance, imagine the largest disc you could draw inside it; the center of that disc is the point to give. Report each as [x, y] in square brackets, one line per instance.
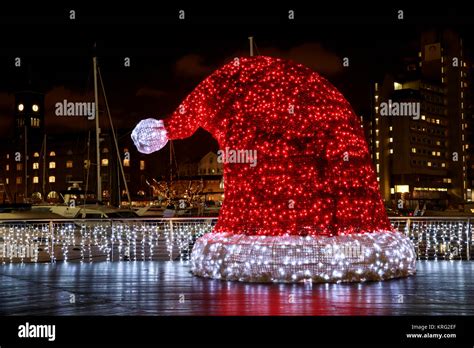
[429, 164]
[18, 180]
[391, 151]
[35, 122]
[413, 150]
[52, 179]
[390, 128]
[52, 154]
[423, 117]
[19, 166]
[390, 140]
[36, 165]
[105, 162]
[433, 153]
[7, 181]
[52, 165]
[7, 167]
[53, 195]
[397, 86]
[35, 180]
[142, 165]
[438, 153]
[21, 107]
[69, 164]
[126, 163]
[402, 188]
[36, 154]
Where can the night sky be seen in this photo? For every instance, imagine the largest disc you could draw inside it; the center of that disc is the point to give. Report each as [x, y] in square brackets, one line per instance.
[170, 57]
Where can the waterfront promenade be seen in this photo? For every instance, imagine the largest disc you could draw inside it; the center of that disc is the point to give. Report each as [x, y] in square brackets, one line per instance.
[168, 288]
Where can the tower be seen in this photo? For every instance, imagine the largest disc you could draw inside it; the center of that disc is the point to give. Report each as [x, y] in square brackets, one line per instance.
[28, 135]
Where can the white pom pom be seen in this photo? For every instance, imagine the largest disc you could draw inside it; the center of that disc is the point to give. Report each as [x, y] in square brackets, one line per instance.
[149, 135]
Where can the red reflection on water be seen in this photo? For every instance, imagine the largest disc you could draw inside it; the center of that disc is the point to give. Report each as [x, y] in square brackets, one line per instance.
[233, 298]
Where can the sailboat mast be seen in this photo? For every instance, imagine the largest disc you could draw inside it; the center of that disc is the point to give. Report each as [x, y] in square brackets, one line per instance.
[44, 167]
[171, 162]
[26, 162]
[97, 132]
[119, 159]
[88, 165]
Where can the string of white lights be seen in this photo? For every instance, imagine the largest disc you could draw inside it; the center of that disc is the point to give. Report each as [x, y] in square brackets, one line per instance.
[173, 240]
[355, 257]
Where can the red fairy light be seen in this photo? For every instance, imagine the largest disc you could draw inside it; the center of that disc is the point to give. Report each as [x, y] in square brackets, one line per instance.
[310, 147]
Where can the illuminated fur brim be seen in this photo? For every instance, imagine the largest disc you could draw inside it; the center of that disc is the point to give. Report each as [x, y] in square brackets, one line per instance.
[349, 258]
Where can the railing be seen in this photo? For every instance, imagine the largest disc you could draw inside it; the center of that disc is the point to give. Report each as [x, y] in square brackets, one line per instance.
[435, 238]
[440, 238]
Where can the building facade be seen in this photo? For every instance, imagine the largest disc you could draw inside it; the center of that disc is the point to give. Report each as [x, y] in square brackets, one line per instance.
[35, 166]
[419, 131]
[55, 163]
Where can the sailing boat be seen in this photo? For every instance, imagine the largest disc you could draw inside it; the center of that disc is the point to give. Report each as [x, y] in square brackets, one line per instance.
[92, 211]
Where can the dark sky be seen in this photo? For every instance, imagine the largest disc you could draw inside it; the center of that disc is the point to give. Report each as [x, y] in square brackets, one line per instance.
[170, 57]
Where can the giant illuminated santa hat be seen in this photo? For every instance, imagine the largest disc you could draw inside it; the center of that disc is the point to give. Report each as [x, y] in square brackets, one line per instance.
[301, 197]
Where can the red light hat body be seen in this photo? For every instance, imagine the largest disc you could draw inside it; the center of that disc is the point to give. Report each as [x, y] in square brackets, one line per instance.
[302, 200]
[313, 173]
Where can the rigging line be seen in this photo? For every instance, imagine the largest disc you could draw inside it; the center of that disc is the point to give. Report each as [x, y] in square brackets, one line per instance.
[256, 48]
[84, 120]
[115, 138]
[124, 135]
[175, 162]
[88, 166]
